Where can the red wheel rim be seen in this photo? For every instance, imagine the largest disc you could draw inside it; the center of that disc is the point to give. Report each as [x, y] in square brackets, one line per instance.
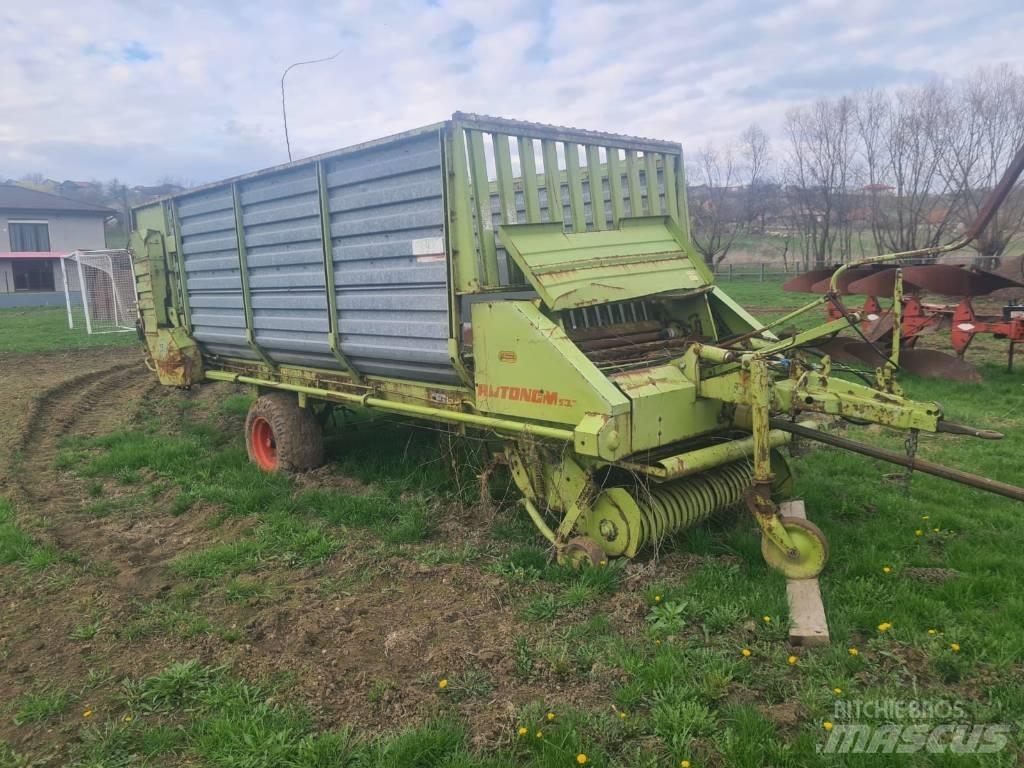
[264, 449]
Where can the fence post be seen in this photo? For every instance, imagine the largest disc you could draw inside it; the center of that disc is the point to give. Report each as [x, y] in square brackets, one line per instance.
[730, 273]
[762, 271]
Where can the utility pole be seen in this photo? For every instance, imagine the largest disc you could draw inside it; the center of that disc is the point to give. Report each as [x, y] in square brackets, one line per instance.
[284, 110]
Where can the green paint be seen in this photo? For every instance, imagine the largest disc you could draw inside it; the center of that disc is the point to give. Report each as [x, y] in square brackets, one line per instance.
[243, 269]
[327, 241]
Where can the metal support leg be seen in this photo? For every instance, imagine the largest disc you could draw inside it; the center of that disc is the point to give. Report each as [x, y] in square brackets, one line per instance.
[67, 296]
[759, 495]
[85, 296]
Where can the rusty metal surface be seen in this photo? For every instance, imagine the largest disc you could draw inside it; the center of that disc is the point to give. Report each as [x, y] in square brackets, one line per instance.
[950, 280]
[802, 283]
[1002, 189]
[848, 277]
[881, 283]
[836, 349]
[932, 364]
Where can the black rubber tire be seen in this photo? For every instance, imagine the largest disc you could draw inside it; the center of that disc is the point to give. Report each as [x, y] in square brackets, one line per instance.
[298, 436]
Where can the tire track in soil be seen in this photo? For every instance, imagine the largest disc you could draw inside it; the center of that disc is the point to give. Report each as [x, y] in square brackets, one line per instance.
[93, 403]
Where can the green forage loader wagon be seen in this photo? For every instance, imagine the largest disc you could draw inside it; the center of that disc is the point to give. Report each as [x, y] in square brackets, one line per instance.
[531, 281]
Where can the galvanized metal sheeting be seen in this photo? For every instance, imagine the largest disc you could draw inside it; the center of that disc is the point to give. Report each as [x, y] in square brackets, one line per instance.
[386, 248]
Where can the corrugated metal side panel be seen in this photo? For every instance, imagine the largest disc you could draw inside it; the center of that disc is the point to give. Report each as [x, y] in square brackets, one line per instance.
[210, 251]
[284, 253]
[387, 228]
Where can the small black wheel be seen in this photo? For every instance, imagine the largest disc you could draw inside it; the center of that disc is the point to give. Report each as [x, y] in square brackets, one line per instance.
[282, 437]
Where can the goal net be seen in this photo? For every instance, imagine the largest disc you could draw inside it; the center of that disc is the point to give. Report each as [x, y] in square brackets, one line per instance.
[99, 286]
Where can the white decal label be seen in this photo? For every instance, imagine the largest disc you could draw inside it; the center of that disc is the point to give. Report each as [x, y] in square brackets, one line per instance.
[965, 326]
[428, 249]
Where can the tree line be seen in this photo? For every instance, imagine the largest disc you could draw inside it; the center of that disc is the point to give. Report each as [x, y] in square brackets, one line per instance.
[875, 172]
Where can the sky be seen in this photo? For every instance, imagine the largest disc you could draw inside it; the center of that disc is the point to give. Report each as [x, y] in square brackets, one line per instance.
[153, 89]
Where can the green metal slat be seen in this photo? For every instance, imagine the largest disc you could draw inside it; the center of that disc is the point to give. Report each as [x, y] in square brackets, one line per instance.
[575, 184]
[636, 200]
[503, 167]
[528, 169]
[506, 195]
[684, 213]
[186, 307]
[671, 200]
[615, 185]
[596, 187]
[653, 196]
[552, 181]
[243, 268]
[464, 256]
[482, 198]
[333, 334]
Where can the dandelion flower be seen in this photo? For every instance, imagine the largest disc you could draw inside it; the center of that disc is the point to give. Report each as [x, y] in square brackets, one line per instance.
[853, 652]
[792, 660]
[745, 652]
[827, 725]
[523, 730]
[87, 713]
[657, 598]
[622, 715]
[924, 517]
[127, 718]
[936, 530]
[551, 715]
[933, 632]
[955, 647]
[885, 626]
[540, 734]
[919, 532]
[657, 642]
[886, 569]
[442, 684]
[581, 759]
[837, 691]
[684, 764]
[766, 619]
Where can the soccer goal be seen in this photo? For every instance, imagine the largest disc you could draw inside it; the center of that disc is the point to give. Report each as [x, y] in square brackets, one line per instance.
[103, 283]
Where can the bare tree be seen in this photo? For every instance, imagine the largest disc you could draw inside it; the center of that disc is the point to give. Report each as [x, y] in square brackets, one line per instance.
[713, 210]
[755, 150]
[911, 204]
[982, 132]
[821, 170]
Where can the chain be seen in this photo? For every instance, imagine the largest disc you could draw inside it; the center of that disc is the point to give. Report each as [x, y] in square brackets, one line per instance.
[911, 445]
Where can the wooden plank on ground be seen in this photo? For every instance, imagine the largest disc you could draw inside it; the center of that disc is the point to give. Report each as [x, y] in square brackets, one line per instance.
[808, 625]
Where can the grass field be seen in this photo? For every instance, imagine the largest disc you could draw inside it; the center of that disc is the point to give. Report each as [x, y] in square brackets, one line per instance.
[44, 329]
[509, 660]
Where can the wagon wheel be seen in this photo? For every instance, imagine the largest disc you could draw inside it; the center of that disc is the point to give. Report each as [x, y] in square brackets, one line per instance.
[581, 551]
[281, 436]
[811, 546]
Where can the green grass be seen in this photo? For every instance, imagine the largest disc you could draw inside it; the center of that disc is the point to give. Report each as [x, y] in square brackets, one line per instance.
[45, 329]
[18, 547]
[657, 661]
[39, 705]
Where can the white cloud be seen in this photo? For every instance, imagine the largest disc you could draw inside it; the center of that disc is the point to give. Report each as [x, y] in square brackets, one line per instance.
[145, 89]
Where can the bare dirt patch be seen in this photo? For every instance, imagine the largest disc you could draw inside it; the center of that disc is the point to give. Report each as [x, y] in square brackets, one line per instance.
[368, 654]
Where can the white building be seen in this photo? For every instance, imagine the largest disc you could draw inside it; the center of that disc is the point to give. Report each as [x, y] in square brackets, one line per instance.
[36, 230]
